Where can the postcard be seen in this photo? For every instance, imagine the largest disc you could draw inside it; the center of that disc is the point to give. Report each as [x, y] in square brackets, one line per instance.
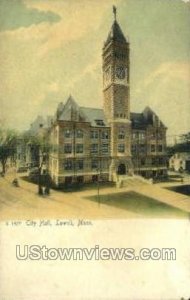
[95, 149]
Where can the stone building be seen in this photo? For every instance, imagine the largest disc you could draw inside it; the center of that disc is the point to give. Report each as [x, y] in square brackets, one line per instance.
[87, 143]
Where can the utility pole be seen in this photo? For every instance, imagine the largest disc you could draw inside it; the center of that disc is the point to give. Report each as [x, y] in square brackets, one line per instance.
[40, 189]
[98, 184]
[74, 151]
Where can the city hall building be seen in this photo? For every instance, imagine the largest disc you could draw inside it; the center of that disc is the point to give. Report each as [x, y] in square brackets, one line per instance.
[90, 144]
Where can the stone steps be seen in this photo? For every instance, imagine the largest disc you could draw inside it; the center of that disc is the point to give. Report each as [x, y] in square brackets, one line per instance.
[132, 181]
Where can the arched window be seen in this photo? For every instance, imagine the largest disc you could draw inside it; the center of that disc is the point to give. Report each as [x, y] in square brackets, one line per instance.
[105, 135]
[79, 133]
[67, 133]
[121, 134]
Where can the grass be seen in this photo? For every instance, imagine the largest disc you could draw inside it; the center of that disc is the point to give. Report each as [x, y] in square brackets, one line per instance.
[182, 189]
[139, 204]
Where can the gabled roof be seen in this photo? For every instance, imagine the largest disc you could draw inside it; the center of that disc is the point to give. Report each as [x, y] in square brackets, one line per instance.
[115, 34]
[138, 121]
[71, 111]
[144, 119]
[93, 115]
[152, 117]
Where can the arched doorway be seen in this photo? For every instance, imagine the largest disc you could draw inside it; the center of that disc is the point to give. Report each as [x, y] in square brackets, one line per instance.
[121, 169]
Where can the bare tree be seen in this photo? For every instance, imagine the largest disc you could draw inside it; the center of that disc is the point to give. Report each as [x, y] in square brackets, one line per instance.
[8, 141]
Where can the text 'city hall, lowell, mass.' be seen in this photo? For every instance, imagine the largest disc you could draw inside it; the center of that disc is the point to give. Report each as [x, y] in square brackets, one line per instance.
[90, 144]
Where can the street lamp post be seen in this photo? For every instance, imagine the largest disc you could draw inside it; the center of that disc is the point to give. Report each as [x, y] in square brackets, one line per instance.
[98, 183]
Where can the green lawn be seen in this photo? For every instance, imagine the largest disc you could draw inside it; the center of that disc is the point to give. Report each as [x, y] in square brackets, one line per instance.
[142, 205]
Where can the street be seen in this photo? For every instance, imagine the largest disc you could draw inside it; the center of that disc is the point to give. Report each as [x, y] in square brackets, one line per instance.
[23, 202]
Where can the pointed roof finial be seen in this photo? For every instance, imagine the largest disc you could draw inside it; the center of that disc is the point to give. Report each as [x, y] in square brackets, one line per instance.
[114, 11]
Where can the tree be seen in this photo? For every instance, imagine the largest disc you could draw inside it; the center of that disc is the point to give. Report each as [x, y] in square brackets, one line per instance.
[185, 138]
[37, 145]
[182, 146]
[38, 148]
[8, 142]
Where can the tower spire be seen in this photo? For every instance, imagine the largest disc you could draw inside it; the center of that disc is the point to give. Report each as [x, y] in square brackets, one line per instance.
[114, 12]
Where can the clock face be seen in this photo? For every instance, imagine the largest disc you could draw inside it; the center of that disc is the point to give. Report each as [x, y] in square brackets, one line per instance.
[120, 72]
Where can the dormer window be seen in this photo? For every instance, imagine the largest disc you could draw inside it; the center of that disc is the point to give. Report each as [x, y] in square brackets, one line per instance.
[100, 123]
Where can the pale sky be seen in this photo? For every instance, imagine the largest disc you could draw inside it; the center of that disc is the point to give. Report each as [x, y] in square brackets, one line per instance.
[51, 49]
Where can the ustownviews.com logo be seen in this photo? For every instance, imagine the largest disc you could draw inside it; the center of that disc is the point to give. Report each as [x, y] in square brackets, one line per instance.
[37, 252]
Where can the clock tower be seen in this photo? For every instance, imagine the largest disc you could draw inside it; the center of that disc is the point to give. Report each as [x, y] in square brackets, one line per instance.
[116, 87]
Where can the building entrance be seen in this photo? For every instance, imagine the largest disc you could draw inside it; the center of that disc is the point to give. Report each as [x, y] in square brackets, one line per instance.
[121, 169]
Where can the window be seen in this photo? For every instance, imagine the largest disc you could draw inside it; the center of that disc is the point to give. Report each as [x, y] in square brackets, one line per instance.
[79, 148]
[121, 134]
[160, 136]
[142, 148]
[119, 55]
[79, 133]
[94, 164]
[105, 135]
[67, 133]
[143, 161]
[160, 148]
[134, 149]
[154, 161]
[153, 135]
[121, 148]
[141, 135]
[94, 148]
[68, 165]
[68, 148]
[100, 122]
[153, 148]
[80, 179]
[68, 180]
[94, 178]
[105, 148]
[94, 134]
[79, 164]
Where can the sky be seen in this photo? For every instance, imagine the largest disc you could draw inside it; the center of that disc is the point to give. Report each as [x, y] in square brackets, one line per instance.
[51, 49]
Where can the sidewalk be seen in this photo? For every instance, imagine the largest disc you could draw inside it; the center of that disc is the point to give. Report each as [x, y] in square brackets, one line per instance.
[25, 201]
[166, 196]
